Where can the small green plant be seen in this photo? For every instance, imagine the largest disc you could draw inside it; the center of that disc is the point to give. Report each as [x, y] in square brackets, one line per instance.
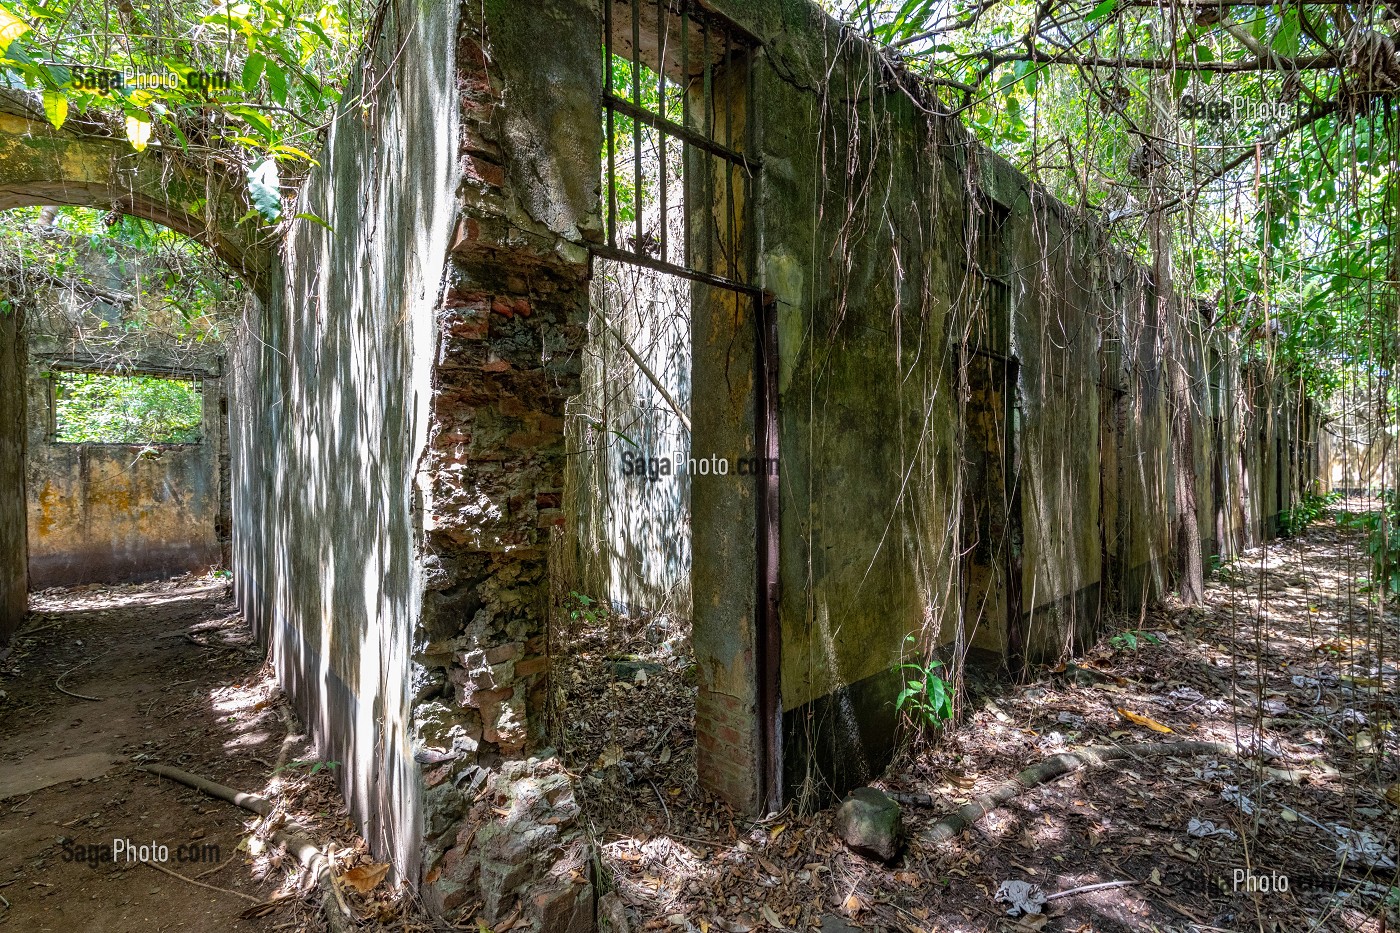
[316, 766]
[1293, 522]
[582, 608]
[1133, 638]
[926, 696]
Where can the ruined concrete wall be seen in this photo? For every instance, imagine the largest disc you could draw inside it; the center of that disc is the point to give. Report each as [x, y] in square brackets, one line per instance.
[399, 448]
[900, 456]
[879, 415]
[331, 398]
[1357, 453]
[14, 588]
[867, 411]
[120, 513]
[1057, 329]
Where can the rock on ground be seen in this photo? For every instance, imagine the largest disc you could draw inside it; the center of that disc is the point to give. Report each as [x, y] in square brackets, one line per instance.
[871, 823]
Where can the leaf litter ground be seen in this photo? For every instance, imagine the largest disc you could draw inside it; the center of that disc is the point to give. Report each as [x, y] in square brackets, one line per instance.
[173, 677]
[1290, 661]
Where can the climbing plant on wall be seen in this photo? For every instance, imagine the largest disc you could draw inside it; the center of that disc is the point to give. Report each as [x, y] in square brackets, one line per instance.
[251, 81]
[1262, 134]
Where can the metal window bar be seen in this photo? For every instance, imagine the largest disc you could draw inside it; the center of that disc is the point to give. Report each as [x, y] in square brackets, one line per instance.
[992, 290]
[708, 143]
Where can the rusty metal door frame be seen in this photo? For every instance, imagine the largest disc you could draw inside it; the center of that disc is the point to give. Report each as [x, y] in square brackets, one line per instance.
[724, 42]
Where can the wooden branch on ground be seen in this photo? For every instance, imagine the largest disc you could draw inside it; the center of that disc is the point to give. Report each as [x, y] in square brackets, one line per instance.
[1058, 766]
[210, 887]
[311, 857]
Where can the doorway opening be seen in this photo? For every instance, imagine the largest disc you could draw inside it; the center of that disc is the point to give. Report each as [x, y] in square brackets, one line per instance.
[125, 446]
[673, 475]
[991, 498]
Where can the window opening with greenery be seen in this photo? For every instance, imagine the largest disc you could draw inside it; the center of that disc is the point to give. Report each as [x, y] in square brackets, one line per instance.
[96, 408]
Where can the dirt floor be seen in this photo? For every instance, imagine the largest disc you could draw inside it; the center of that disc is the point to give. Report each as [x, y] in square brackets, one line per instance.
[1288, 664]
[164, 673]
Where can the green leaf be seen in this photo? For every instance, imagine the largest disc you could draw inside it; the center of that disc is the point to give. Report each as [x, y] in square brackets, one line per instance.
[252, 72]
[257, 121]
[277, 83]
[1286, 37]
[55, 107]
[1102, 9]
[263, 190]
[315, 220]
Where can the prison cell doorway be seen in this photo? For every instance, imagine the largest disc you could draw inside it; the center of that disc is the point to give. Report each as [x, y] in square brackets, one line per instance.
[991, 511]
[676, 481]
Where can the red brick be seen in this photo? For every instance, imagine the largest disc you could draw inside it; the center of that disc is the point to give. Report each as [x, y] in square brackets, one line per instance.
[532, 666]
[489, 172]
[507, 652]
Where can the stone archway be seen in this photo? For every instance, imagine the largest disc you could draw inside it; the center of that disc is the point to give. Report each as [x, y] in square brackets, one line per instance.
[87, 164]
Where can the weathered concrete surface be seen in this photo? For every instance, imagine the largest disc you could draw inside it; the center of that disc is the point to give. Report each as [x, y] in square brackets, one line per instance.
[399, 455]
[120, 513]
[14, 589]
[331, 393]
[883, 305]
[29, 775]
[1356, 453]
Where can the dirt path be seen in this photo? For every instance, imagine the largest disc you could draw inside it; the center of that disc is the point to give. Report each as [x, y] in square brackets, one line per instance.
[178, 681]
[1290, 663]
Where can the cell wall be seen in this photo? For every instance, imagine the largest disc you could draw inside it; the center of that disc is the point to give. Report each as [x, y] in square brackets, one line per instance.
[121, 513]
[331, 393]
[13, 549]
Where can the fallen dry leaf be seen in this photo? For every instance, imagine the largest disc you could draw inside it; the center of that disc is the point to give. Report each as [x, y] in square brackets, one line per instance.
[364, 878]
[611, 755]
[1150, 723]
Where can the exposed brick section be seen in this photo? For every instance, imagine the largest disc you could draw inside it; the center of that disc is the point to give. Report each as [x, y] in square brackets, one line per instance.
[726, 734]
[510, 847]
[511, 327]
